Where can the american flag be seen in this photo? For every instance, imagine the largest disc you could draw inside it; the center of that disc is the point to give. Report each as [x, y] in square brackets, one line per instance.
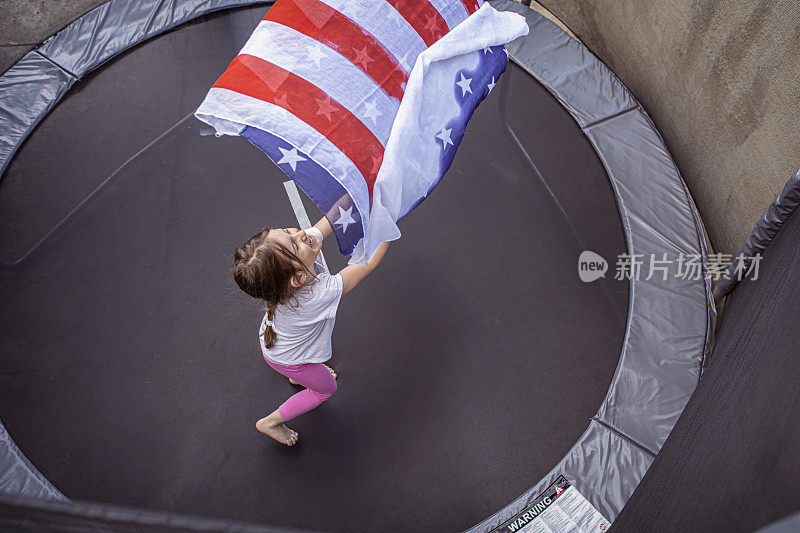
[362, 103]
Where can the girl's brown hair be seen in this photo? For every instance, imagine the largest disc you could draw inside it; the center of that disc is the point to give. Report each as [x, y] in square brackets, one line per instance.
[264, 270]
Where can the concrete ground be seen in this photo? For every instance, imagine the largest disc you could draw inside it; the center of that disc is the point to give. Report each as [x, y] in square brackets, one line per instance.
[718, 77]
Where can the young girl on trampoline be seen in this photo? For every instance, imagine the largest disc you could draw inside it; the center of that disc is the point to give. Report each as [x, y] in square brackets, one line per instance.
[279, 266]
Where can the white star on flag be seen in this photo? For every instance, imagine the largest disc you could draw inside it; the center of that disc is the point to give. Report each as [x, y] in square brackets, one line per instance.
[491, 85]
[371, 111]
[444, 136]
[488, 49]
[464, 84]
[506, 51]
[315, 54]
[291, 157]
[345, 218]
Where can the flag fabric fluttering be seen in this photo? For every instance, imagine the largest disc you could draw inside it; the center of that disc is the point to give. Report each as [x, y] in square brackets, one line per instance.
[363, 103]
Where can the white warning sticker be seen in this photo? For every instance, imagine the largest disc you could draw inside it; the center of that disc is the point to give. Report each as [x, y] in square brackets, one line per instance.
[561, 509]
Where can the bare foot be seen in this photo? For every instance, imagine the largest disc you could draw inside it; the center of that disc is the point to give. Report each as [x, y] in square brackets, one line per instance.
[278, 432]
[293, 382]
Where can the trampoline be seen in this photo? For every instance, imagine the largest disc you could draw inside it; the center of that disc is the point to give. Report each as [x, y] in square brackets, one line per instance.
[469, 364]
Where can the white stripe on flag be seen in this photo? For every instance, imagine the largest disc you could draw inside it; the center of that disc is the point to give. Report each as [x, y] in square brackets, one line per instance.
[300, 212]
[453, 12]
[233, 107]
[386, 25]
[335, 74]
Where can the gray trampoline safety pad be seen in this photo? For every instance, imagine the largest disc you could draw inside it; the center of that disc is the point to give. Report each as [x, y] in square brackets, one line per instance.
[670, 319]
[562, 508]
[28, 91]
[583, 85]
[116, 26]
[601, 463]
[19, 477]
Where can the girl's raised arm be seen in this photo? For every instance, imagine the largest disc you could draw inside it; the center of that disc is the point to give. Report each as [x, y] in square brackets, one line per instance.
[324, 227]
[352, 275]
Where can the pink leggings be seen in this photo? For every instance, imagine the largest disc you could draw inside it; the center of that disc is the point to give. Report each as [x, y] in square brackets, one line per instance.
[318, 380]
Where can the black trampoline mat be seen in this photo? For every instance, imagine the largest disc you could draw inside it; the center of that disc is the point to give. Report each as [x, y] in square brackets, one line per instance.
[469, 362]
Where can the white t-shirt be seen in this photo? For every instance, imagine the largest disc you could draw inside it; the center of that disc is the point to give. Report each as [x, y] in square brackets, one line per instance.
[303, 331]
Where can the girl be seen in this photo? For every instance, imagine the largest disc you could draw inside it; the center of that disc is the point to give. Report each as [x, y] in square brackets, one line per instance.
[279, 266]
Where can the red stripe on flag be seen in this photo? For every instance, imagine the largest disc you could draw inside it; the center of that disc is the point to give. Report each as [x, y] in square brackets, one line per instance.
[254, 77]
[423, 17]
[471, 5]
[326, 25]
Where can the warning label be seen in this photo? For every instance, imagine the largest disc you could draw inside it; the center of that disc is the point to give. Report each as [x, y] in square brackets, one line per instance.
[561, 509]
